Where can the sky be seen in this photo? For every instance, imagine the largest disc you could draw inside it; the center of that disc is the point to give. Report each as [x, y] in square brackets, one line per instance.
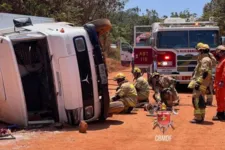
[165, 7]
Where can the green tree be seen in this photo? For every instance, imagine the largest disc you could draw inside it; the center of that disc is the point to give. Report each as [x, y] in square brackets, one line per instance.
[215, 9]
[183, 14]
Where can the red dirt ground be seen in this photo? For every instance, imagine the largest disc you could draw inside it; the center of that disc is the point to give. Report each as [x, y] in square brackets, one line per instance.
[128, 132]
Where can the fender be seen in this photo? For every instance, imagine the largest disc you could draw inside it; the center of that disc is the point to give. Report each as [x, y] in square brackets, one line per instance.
[101, 70]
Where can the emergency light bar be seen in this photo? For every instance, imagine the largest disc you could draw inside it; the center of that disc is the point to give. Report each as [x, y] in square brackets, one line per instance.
[188, 24]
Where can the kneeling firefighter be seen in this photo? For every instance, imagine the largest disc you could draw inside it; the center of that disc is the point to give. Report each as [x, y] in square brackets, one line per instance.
[200, 82]
[142, 87]
[125, 98]
[164, 88]
[219, 83]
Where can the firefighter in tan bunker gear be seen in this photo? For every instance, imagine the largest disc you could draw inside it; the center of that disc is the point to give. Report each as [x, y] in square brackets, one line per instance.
[201, 80]
[142, 87]
[125, 98]
[164, 88]
[209, 90]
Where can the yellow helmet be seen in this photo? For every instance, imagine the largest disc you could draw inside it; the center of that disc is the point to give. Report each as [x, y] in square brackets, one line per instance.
[204, 47]
[199, 45]
[137, 70]
[119, 76]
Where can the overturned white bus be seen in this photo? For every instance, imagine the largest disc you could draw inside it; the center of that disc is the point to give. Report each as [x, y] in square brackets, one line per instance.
[53, 72]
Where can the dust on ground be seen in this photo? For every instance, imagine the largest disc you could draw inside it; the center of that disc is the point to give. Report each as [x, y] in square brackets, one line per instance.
[127, 132]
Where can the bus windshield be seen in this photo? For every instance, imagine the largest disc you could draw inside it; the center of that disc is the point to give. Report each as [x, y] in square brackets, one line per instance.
[181, 39]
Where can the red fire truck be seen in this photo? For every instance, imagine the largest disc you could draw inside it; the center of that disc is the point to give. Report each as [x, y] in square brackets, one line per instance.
[170, 49]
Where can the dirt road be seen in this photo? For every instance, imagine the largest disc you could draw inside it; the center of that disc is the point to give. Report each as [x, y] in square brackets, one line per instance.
[128, 132]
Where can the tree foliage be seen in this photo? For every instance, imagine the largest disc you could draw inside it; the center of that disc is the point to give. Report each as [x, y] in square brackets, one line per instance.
[81, 11]
[183, 14]
[75, 11]
[215, 9]
[124, 22]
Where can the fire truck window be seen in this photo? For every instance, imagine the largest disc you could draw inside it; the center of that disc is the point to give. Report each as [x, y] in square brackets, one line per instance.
[172, 39]
[209, 37]
[143, 39]
[80, 44]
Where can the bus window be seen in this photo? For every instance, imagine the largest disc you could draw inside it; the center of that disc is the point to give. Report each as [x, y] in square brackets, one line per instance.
[209, 37]
[172, 39]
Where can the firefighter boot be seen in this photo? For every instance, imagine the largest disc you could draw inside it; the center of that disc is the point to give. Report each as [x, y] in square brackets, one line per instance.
[197, 121]
[219, 116]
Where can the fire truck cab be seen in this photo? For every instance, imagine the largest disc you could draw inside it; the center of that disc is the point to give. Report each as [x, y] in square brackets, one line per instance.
[174, 42]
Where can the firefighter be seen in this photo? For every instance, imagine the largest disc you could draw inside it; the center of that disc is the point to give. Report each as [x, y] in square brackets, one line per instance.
[209, 91]
[164, 88]
[200, 82]
[142, 86]
[125, 98]
[219, 83]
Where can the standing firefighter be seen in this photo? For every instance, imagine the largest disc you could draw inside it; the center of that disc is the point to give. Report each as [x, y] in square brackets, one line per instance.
[209, 90]
[200, 82]
[164, 88]
[219, 83]
[142, 86]
[125, 98]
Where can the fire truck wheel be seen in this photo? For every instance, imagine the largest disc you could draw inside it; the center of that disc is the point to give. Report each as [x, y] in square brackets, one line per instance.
[102, 26]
